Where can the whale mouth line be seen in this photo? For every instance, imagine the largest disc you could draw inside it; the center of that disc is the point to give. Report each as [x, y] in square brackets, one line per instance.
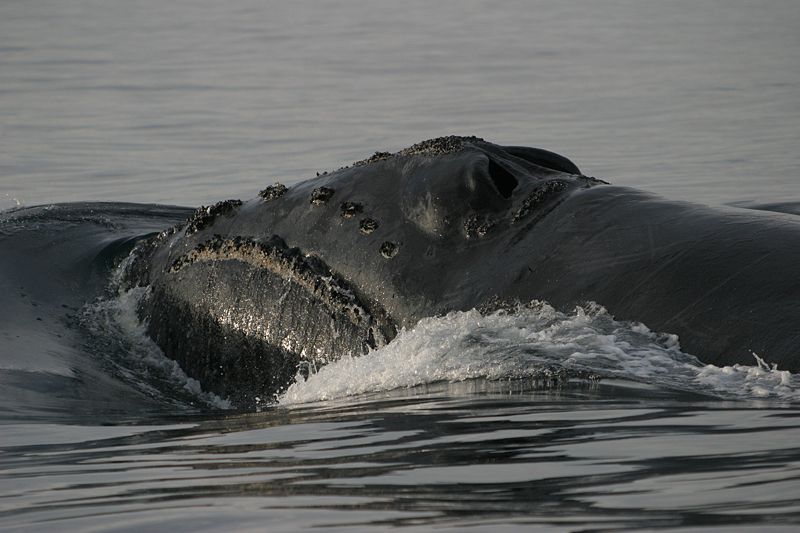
[268, 314]
[309, 272]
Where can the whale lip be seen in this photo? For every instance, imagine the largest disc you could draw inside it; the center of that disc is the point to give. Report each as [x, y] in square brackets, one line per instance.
[269, 311]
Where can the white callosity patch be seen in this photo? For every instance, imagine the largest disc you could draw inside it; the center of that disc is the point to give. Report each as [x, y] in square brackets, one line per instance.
[529, 343]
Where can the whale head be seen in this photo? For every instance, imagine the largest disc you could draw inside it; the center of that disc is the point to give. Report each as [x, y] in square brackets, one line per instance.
[247, 294]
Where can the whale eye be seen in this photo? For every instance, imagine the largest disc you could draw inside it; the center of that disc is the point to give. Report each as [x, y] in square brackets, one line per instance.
[503, 180]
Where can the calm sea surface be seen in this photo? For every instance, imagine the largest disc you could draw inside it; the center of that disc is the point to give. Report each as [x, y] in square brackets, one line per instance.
[186, 103]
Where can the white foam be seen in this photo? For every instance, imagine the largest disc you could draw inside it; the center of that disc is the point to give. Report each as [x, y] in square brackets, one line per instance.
[528, 341]
[115, 319]
[9, 202]
[533, 341]
[760, 381]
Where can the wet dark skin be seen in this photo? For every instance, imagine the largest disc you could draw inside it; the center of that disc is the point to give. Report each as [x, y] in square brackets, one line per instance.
[453, 224]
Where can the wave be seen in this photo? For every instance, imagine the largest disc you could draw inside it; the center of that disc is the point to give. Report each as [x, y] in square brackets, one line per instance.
[60, 355]
[116, 334]
[8, 202]
[534, 342]
[537, 342]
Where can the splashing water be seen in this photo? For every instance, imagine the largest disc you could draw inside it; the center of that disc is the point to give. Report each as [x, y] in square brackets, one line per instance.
[121, 338]
[9, 202]
[536, 341]
[533, 342]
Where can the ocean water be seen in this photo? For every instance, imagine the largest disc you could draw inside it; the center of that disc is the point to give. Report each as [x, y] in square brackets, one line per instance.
[533, 420]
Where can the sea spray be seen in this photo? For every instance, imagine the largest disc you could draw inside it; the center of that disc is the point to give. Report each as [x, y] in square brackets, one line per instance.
[117, 335]
[536, 341]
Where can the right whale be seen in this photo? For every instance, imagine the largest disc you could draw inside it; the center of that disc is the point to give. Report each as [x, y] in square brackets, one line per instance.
[244, 292]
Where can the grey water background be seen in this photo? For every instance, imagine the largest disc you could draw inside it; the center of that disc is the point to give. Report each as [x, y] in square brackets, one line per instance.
[190, 102]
